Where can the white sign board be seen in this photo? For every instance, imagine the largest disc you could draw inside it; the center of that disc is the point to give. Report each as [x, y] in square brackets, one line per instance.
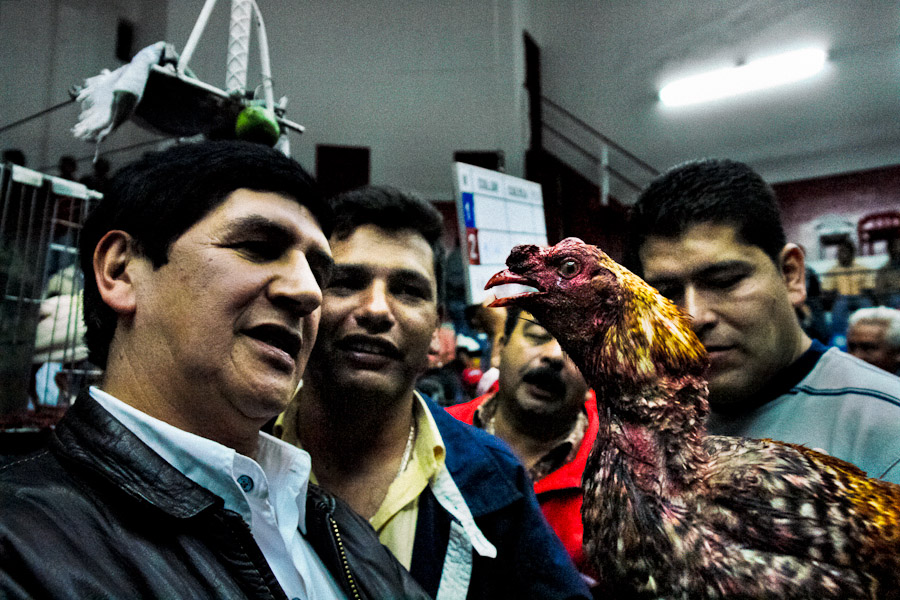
[496, 212]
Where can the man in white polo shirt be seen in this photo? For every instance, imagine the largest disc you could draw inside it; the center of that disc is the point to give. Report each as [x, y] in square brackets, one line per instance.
[204, 268]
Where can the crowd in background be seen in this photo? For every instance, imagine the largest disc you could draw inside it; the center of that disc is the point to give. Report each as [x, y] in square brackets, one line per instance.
[836, 293]
[463, 359]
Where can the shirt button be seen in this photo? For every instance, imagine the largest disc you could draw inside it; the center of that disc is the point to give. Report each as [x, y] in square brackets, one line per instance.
[246, 482]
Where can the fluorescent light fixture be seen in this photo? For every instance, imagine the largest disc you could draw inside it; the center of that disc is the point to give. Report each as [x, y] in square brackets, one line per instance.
[756, 75]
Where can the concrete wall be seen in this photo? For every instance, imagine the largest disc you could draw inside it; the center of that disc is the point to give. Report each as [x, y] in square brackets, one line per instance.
[414, 80]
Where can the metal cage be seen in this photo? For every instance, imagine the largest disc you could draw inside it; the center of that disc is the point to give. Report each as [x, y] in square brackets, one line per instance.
[43, 358]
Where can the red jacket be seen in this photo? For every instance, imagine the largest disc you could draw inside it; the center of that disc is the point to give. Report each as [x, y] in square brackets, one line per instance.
[559, 492]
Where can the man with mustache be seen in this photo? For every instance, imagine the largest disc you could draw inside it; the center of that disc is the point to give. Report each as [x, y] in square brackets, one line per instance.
[544, 410]
[451, 502]
[708, 235]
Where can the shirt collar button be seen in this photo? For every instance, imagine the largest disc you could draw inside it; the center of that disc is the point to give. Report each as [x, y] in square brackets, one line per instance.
[246, 482]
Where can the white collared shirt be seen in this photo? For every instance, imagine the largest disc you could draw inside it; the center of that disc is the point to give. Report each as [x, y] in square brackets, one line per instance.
[269, 493]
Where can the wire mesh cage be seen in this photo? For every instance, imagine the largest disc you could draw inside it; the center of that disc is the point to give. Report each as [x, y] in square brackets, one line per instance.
[42, 353]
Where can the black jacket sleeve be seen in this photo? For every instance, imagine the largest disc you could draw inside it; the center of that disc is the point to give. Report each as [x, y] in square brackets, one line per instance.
[351, 551]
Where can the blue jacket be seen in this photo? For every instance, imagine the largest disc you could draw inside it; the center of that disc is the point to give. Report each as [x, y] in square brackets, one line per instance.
[531, 562]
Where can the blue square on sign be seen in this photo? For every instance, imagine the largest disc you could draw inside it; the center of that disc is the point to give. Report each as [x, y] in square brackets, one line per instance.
[468, 206]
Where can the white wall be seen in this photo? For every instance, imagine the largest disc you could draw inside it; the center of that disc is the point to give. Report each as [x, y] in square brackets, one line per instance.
[414, 80]
[50, 45]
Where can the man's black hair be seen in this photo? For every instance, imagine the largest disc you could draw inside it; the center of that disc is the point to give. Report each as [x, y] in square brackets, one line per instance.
[159, 197]
[717, 191]
[393, 210]
[513, 314]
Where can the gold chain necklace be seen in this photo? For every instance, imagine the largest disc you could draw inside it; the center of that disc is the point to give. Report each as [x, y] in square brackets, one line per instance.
[407, 452]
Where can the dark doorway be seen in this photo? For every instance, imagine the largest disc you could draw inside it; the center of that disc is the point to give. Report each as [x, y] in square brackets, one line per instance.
[490, 159]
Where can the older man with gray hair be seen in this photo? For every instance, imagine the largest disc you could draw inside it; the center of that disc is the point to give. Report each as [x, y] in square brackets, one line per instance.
[873, 334]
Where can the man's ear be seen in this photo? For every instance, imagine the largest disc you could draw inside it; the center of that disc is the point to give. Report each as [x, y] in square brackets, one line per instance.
[793, 272]
[112, 257]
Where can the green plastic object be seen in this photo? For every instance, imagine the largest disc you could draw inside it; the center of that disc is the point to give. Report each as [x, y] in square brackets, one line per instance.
[257, 124]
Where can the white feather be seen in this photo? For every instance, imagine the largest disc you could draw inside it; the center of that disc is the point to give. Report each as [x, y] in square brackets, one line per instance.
[97, 95]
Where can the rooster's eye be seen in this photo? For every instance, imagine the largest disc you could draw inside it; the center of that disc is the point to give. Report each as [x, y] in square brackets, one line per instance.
[568, 269]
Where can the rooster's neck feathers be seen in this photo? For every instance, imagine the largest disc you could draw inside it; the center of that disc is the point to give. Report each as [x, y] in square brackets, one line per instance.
[652, 338]
[639, 354]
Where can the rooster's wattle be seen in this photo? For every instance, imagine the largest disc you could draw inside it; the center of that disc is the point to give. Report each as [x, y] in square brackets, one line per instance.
[669, 511]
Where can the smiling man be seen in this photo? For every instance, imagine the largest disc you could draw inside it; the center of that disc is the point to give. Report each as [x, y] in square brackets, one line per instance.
[708, 235]
[451, 502]
[205, 265]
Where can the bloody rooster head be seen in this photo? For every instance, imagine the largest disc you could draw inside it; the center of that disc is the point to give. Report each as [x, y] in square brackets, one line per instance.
[563, 277]
[611, 322]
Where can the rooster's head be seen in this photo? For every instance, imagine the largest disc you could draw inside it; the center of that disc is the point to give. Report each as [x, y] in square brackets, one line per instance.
[570, 276]
[605, 317]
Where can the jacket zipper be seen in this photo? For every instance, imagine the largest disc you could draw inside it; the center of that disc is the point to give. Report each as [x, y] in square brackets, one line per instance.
[340, 545]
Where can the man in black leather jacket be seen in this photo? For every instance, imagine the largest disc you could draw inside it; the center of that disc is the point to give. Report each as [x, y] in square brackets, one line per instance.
[204, 265]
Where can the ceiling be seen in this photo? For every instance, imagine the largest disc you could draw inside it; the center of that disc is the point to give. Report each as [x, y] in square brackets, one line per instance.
[418, 62]
[606, 59]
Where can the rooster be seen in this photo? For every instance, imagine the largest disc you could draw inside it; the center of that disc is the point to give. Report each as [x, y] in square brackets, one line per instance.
[669, 511]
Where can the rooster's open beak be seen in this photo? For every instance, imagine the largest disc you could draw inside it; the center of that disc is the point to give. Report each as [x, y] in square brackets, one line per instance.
[506, 277]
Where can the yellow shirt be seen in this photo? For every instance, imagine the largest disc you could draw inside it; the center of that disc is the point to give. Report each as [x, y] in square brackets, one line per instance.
[395, 520]
[848, 281]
